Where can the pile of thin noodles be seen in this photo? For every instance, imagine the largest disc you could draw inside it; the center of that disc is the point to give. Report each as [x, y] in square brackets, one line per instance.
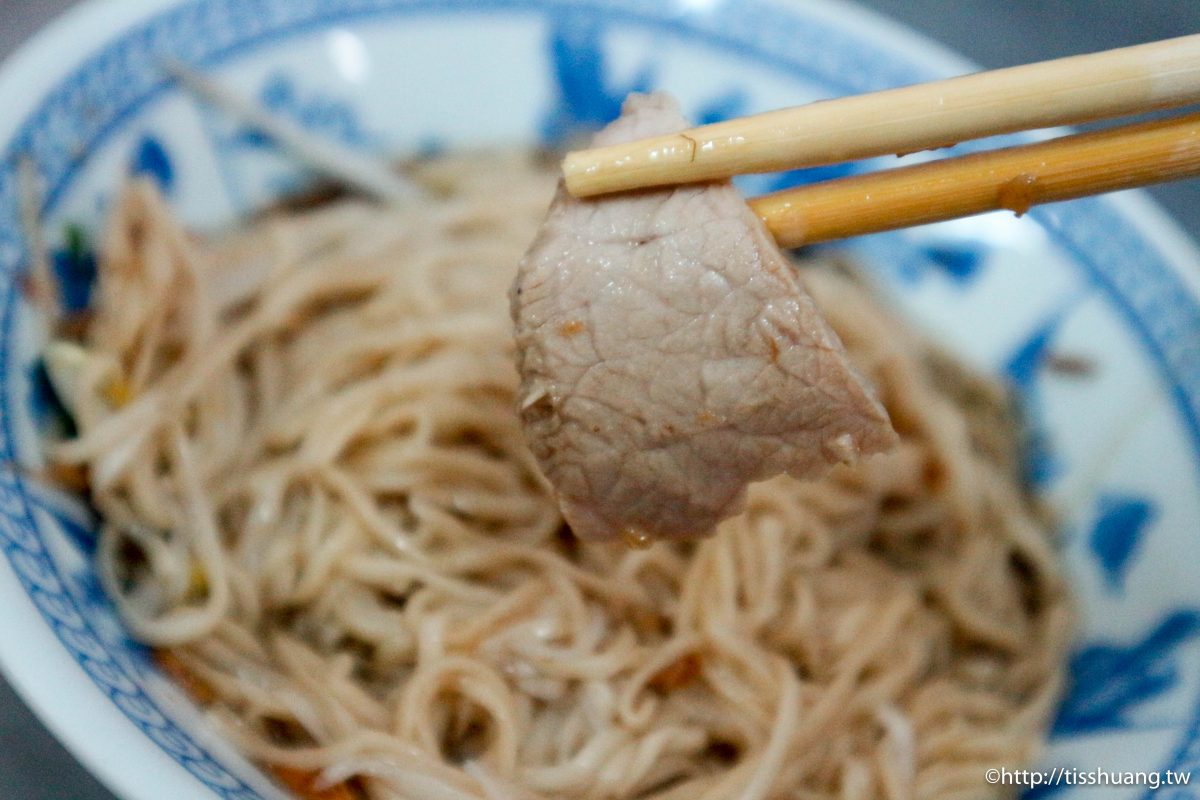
[316, 496]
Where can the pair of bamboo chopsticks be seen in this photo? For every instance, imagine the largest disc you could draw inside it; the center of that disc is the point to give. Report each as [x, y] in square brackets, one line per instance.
[1065, 91]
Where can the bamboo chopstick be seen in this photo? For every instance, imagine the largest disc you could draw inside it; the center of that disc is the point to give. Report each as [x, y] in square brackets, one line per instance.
[1065, 91]
[1014, 178]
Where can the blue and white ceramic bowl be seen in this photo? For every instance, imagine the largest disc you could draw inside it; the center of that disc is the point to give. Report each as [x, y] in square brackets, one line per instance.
[1107, 282]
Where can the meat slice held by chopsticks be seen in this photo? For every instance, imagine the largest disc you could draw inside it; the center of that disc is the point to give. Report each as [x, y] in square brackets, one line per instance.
[669, 356]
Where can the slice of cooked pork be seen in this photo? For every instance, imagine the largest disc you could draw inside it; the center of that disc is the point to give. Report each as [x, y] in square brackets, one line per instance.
[669, 356]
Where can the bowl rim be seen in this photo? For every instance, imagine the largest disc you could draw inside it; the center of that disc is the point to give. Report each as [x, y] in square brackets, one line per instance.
[124, 759]
[53, 685]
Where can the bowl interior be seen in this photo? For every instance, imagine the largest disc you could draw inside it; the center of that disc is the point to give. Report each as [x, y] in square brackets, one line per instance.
[1088, 308]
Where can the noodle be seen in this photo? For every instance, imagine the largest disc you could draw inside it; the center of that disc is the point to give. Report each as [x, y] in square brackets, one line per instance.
[301, 437]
